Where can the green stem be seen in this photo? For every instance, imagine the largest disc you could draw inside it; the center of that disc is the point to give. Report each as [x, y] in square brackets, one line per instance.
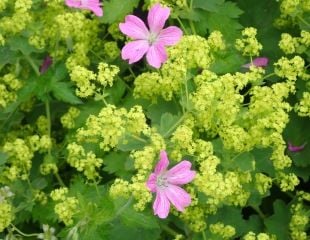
[123, 208]
[303, 20]
[49, 132]
[204, 235]
[169, 230]
[174, 126]
[61, 183]
[182, 26]
[136, 137]
[269, 75]
[132, 72]
[23, 234]
[260, 213]
[191, 24]
[100, 58]
[33, 65]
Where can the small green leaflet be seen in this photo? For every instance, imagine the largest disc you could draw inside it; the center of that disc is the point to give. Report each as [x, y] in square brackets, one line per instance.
[116, 10]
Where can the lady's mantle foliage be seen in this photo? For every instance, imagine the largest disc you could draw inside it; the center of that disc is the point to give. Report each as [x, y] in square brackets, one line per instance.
[166, 185]
[150, 41]
[92, 5]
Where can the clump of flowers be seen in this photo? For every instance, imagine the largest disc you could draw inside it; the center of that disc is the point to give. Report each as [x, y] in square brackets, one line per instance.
[165, 183]
[150, 41]
[248, 45]
[92, 5]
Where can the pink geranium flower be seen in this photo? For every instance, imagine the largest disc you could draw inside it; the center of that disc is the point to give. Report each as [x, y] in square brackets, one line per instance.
[92, 5]
[166, 185]
[150, 41]
[293, 148]
[257, 62]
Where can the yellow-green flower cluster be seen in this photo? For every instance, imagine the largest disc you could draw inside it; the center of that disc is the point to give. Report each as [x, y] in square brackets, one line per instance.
[42, 124]
[37, 143]
[37, 41]
[106, 74]
[299, 221]
[20, 18]
[47, 168]
[68, 119]
[303, 107]
[195, 51]
[3, 4]
[120, 188]
[2, 40]
[260, 236]
[111, 49]
[248, 45]
[66, 206]
[287, 182]
[222, 188]
[19, 162]
[41, 197]
[9, 84]
[290, 68]
[191, 52]
[262, 183]
[169, 3]
[182, 140]
[291, 12]
[224, 231]
[194, 216]
[82, 77]
[85, 162]
[216, 101]
[7, 215]
[216, 41]
[203, 149]
[86, 80]
[290, 45]
[111, 124]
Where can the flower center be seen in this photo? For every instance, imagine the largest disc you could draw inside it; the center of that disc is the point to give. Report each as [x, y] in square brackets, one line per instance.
[152, 38]
[162, 181]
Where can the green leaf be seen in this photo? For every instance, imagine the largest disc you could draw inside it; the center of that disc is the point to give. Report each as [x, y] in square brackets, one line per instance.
[262, 161]
[63, 91]
[120, 231]
[167, 124]
[3, 158]
[155, 111]
[245, 161]
[7, 56]
[115, 162]
[116, 92]
[210, 5]
[132, 218]
[116, 10]
[278, 223]
[129, 142]
[21, 44]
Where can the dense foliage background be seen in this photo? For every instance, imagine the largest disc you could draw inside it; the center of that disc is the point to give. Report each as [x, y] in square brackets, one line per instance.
[81, 130]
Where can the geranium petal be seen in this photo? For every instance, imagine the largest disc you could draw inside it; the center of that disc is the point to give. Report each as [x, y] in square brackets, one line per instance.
[156, 55]
[97, 11]
[161, 205]
[157, 17]
[73, 3]
[162, 163]
[181, 173]
[258, 62]
[178, 197]
[134, 27]
[151, 182]
[134, 51]
[170, 36]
